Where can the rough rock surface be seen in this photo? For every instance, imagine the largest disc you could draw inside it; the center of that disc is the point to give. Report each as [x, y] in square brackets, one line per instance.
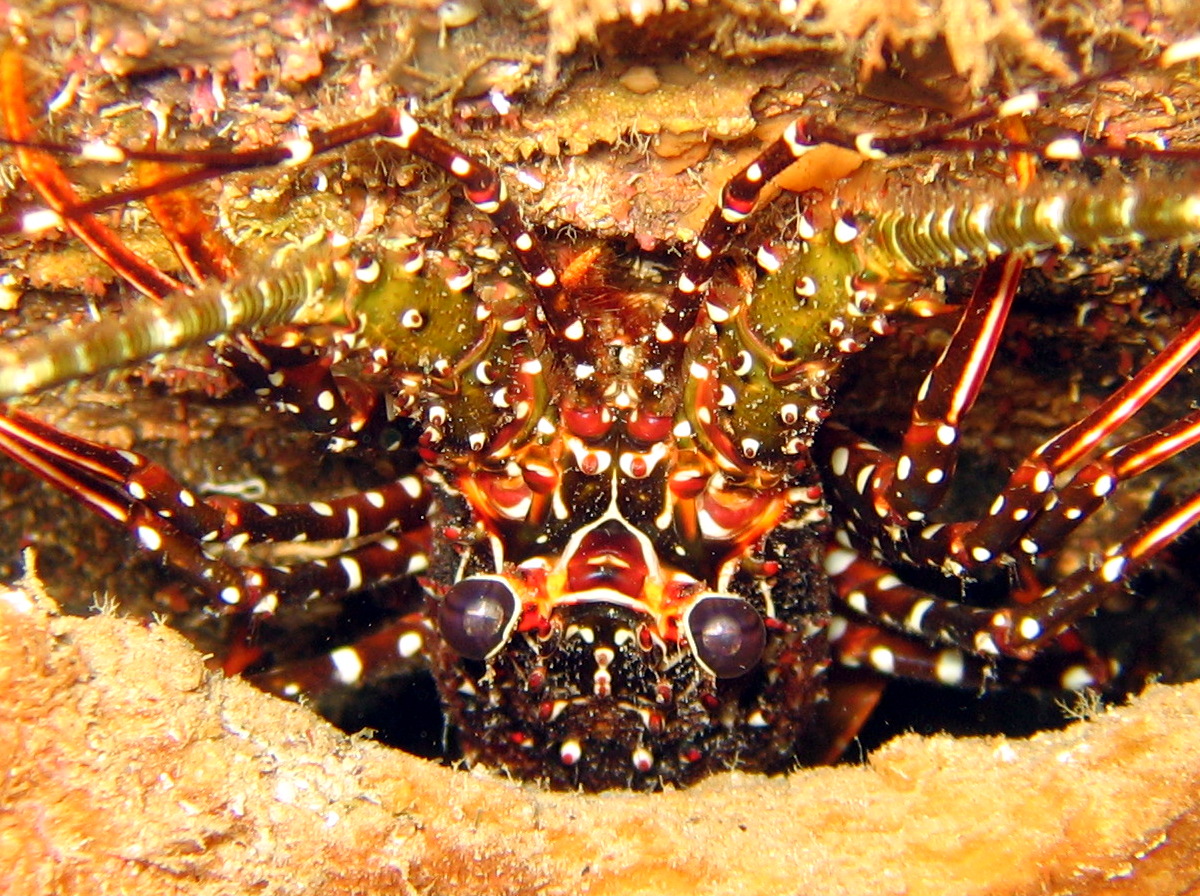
[129, 768]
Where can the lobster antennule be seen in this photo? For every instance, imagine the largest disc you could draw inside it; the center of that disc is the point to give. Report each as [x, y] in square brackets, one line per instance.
[1045, 219]
[290, 288]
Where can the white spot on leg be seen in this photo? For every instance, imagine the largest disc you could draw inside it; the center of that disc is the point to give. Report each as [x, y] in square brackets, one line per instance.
[1076, 678]
[949, 667]
[347, 665]
[570, 752]
[915, 619]
[409, 645]
[837, 562]
[354, 578]
[150, 538]
[839, 461]
[1112, 568]
[1020, 104]
[882, 659]
[863, 480]
[40, 219]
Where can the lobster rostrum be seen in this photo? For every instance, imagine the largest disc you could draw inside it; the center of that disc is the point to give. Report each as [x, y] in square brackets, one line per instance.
[647, 553]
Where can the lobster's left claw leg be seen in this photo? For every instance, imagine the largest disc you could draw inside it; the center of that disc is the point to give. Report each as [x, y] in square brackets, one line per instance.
[193, 533]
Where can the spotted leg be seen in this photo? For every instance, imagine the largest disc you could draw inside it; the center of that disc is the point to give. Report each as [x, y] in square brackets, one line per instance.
[900, 493]
[1042, 517]
[183, 528]
[1033, 618]
[905, 620]
[395, 649]
[879, 490]
[301, 382]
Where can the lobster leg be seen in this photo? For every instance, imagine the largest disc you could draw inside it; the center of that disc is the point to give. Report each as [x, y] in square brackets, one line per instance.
[1029, 488]
[1030, 620]
[302, 383]
[928, 638]
[169, 520]
[870, 483]
[44, 173]
[1087, 490]
[925, 466]
[1072, 666]
[857, 646]
[900, 492]
[1022, 631]
[394, 649]
[1033, 616]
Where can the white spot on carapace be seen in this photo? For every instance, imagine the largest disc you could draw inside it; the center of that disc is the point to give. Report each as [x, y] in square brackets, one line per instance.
[570, 752]
[844, 230]
[865, 144]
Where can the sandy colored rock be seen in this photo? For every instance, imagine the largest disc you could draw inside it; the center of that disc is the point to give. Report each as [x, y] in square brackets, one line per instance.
[129, 768]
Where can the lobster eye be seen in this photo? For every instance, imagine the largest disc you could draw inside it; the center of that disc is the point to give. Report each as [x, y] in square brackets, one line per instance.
[477, 615]
[726, 633]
